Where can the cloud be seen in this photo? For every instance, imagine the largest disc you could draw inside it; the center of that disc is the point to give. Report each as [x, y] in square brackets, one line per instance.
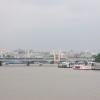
[60, 20]
[27, 16]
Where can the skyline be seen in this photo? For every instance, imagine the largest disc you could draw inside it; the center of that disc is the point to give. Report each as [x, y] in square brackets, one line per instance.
[50, 24]
[6, 50]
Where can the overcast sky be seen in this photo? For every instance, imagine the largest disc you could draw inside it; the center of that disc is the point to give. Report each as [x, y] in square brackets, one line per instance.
[50, 24]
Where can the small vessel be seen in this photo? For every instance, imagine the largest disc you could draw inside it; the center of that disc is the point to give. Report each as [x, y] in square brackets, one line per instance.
[63, 65]
[40, 64]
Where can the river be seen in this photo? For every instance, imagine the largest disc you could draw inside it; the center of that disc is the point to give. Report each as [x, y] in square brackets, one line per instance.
[48, 83]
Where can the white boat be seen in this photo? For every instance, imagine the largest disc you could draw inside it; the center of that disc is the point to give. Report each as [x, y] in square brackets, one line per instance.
[63, 65]
[96, 66]
[82, 67]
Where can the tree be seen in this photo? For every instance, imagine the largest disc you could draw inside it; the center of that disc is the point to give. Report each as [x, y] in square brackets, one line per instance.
[97, 58]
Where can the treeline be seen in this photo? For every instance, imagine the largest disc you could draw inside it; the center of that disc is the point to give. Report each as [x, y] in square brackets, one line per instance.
[97, 58]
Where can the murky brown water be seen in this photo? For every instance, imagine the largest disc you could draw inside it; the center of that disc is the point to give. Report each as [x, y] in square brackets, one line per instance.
[45, 83]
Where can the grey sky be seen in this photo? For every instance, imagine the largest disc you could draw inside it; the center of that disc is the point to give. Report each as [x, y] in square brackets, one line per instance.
[50, 24]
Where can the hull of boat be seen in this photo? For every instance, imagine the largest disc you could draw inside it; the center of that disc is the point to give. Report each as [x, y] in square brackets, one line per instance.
[82, 67]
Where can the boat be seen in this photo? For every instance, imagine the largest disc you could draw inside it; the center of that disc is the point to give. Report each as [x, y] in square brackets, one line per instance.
[96, 66]
[82, 67]
[63, 65]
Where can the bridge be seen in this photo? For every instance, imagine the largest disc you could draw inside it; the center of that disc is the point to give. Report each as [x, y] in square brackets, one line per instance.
[24, 60]
[35, 60]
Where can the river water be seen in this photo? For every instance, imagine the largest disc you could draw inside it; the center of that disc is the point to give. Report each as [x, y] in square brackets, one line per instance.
[48, 83]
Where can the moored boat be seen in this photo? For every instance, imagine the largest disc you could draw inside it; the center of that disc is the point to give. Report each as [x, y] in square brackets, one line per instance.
[82, 67]
[63, 65]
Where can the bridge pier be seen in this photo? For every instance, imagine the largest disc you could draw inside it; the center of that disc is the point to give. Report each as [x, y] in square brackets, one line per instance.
[28, 63]
[0, 63]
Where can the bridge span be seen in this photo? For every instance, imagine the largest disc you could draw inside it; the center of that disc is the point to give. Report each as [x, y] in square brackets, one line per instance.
[31, 60]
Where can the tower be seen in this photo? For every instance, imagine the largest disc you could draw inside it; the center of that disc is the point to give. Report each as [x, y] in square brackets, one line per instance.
[57, 56]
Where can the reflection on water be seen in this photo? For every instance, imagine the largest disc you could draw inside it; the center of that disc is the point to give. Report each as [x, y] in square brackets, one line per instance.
[45, 83]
